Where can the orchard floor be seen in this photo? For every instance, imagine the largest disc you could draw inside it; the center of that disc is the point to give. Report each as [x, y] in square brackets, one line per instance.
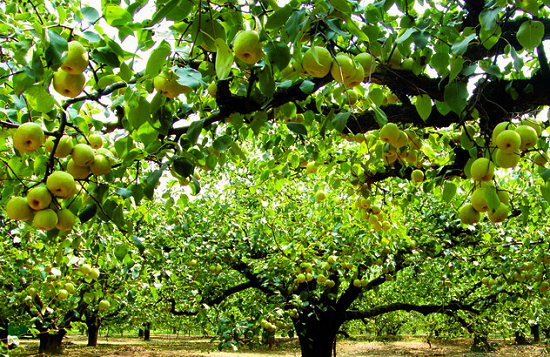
[188, 346]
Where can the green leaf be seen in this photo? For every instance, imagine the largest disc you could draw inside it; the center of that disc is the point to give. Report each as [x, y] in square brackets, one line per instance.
[530, 34]
[545, 191]
[183, 166]
[39, 99]
[190, 77]
[222, 143]
[440, 62]
[423, 106]
[307, 86]
[279, 17]
[449, 191]
[460, 47]
[456, 95]
[157, 59]
[492, 197]
[106, 56]
[297, 128]
[341, 5]
[90, 14]
[117, 16]
[278, 53]
[194, 131]
[124, 192]
[121, 250]
[488, 18]
[224, 59]
[489, 38]
[161, 13]
[139, 112]
[138, 243]
[87, 213]
[151, 183]
[340, 120]
[267, 81]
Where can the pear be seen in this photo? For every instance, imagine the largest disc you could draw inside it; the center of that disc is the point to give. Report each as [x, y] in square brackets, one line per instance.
[167, 84]
[417, 176]
[368, 62]
[395, 60]
[247, 47]
[18, 209]
[64, 147]
[468, 214]
[100, 166]
[65, 220]
[482, 169]
[499, 214]
[103, 305]
[78, 172]
[528, 136]
[320, 196]
[67, 84]
[45, 219]
[76, 60]
[28, 137]
[389, 133]
[356, 79]
[500, 127]
[61, 184]
[505, 160]
[39, 197]
[479, 200]
[96, 141]
[82, 155]
[508, 141]
[343, 68]
[317, 61]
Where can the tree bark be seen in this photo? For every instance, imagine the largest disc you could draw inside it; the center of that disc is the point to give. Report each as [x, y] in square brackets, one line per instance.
[481, 344]
[93, 322]
[535, 332]
[147, 331]
[317, 333]
[520, 338]
[50, 343]
[4, 332]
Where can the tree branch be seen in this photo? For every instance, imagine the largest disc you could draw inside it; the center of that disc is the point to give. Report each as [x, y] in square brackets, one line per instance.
[423, 309]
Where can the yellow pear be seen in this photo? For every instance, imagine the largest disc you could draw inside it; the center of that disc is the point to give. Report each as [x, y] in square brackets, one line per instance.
[61, 184]
[506, 160]
[389, 133]
[167, 84]
[67, 84]
[479, 200]
[18, 209]
[500, 127]
[468, 214]
[64, 147]
[247, 47]
[96, 141]
[343, 68]
[28, 137]
[508, 141]
[499, 214]
[78, 172]
[528, 136]
[65, 219]
[39, 197]
[356, 79]
[82, 155]
[317, 61]
[482, 169]
[417, 176]
[368, 62]
[76, 60]
[100, 166]
[45, 219]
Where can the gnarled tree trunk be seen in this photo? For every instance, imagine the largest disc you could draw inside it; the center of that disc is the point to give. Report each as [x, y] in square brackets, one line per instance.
[317, 333]
[481, 344]
[51, 343]
[93, 322]
[4, 332]
[147, 331]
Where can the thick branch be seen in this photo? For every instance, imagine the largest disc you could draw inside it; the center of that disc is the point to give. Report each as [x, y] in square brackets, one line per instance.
[423, 309]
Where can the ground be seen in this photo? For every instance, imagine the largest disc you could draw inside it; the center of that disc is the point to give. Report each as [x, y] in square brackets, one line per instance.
[190, 346]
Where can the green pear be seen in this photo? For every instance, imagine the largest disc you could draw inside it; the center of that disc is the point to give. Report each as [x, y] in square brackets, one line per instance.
[479, 200]
[78, 172]
[103, 305]
[28, 137]
[317, 61]
[389, 133]
[76, 60]
[343, 68]
[499, 128]
[65, 219]
[505, 160]
[528, 136]
[356, 79]
[39, 198]
[64, 147]
[100, 166]
[70, 287]
[508, 141]
[320, 196]
[311, 167]
[540, 159]
[368, 62]
[18, 209]
[82, 155]
[395, 60]
[500, 214]
[94, 273]
[247, 47]
[482, 169]
[85, 269]
[61, 184]
[417, 176]
[96, 141]
[468, 214]
[45, 219]
[167, 84]
[62, 294]
[67, 84]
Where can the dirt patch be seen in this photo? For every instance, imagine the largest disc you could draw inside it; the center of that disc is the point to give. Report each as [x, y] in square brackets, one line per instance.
[172, 346]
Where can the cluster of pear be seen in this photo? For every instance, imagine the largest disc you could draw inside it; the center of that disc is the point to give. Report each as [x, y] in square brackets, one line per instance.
[350, 71]
[42, 201]
[69, 80]
[215, 268]
[166, 83]
[306, 274]
[88, 271]
[372, 214]
[402, 144]
[272, 324]
[508, 143]
[40, 206]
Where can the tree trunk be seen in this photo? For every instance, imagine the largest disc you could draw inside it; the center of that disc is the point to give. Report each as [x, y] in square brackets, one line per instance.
[93, 322]
[481, 344]
[4, 332]
[520, 338]
[147, 332]
[317, 334]
[140, 333]
[50, 343]
[535, 332]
